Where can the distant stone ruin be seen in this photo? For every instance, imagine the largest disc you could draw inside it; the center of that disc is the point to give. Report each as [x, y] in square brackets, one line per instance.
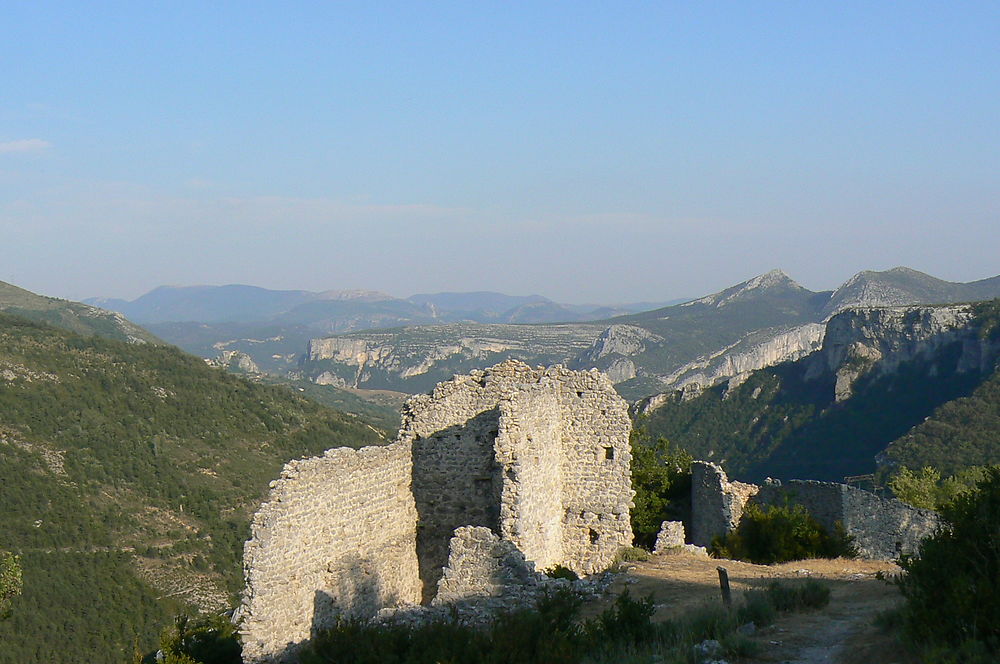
[883, 528]
[493, 475]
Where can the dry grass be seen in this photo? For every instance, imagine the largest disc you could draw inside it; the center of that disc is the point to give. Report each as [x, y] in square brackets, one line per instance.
[842, 632]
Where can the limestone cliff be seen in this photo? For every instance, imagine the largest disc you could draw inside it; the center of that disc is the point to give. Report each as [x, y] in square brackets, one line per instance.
[415, 359]
[860, 341]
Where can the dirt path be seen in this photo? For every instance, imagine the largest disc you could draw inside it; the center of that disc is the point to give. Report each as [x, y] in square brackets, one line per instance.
[841, 633]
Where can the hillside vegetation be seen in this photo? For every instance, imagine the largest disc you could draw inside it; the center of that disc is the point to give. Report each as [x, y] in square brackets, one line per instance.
[74, 316]
[128, 474]
[786, 423]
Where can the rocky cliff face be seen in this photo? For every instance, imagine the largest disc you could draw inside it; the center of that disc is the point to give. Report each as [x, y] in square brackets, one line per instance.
[859, 341]
[414, 359]
[755, 351]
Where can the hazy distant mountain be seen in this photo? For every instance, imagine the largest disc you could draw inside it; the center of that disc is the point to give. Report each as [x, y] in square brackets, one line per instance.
[208, 304]
[480, 301]
[695, 344]
[73, 316]
[273, 327]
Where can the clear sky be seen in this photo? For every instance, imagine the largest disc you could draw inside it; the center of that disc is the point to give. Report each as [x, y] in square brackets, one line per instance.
[590, 152]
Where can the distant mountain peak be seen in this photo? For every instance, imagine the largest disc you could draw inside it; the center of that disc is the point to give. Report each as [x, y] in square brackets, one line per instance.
[775, 279]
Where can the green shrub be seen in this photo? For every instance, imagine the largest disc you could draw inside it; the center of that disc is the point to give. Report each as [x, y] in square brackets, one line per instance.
[631, 554]
[661, 477]
[10, 582]
[779, 533]
[756, 608]
[205, 640]
[928, 490]
[809, 595]
[952, 586]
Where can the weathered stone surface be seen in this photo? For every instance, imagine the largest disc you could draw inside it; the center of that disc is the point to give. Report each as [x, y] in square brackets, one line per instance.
[716, 503]
[540, 456]
[671, 536]
[493, 475]
[883, 528]
[861, 341]
[480, 564]
[335, 538]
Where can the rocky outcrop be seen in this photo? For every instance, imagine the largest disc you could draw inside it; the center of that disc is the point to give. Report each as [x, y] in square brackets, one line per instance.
[861, 341]
[234, 360]
[414, 359]
[755, 351]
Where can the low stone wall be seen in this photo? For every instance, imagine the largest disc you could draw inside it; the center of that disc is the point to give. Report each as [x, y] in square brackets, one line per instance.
[335, 537]
[671, 536]
[883, 528]
[481, 565]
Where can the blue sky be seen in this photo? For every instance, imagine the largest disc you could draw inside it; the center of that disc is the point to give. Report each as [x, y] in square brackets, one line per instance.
[586, 151]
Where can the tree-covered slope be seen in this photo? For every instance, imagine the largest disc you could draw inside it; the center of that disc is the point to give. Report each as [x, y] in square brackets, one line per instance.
[128, 473]
[74, 316]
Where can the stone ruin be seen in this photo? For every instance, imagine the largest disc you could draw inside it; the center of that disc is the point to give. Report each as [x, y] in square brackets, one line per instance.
[883, 528]
[492, 476]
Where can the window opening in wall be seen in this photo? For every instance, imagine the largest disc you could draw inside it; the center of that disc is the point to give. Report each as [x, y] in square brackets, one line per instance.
[609, 453]
[594, 536]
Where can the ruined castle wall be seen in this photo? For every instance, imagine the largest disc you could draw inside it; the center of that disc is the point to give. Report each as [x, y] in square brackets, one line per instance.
[597, 456]
[540, 456]
[529, 450]
[482, 565]
[335, 537]
[455, 475]
[716, 503]
[882, 528]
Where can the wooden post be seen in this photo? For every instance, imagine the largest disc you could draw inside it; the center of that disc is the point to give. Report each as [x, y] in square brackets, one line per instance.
[727, 595]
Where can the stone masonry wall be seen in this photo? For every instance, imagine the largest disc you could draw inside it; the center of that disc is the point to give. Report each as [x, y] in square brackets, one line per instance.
[481, 565]
[539, 456]
[716, 503]
[883, 528]
[335, 537]
[493, 475]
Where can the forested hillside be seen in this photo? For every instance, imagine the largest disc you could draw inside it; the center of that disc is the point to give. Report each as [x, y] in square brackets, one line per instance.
[787, 421]
[128, 473]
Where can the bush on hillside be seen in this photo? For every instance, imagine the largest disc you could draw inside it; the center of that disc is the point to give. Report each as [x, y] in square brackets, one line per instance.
[952, 586]
[779, 533]
[927, 489]
[10, 582]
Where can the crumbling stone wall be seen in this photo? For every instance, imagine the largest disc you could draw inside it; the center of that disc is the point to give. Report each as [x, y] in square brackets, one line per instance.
[335, 537]
[883, 528]
[481, 565]
[716, 503]
[539, 456]
[493, 475]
